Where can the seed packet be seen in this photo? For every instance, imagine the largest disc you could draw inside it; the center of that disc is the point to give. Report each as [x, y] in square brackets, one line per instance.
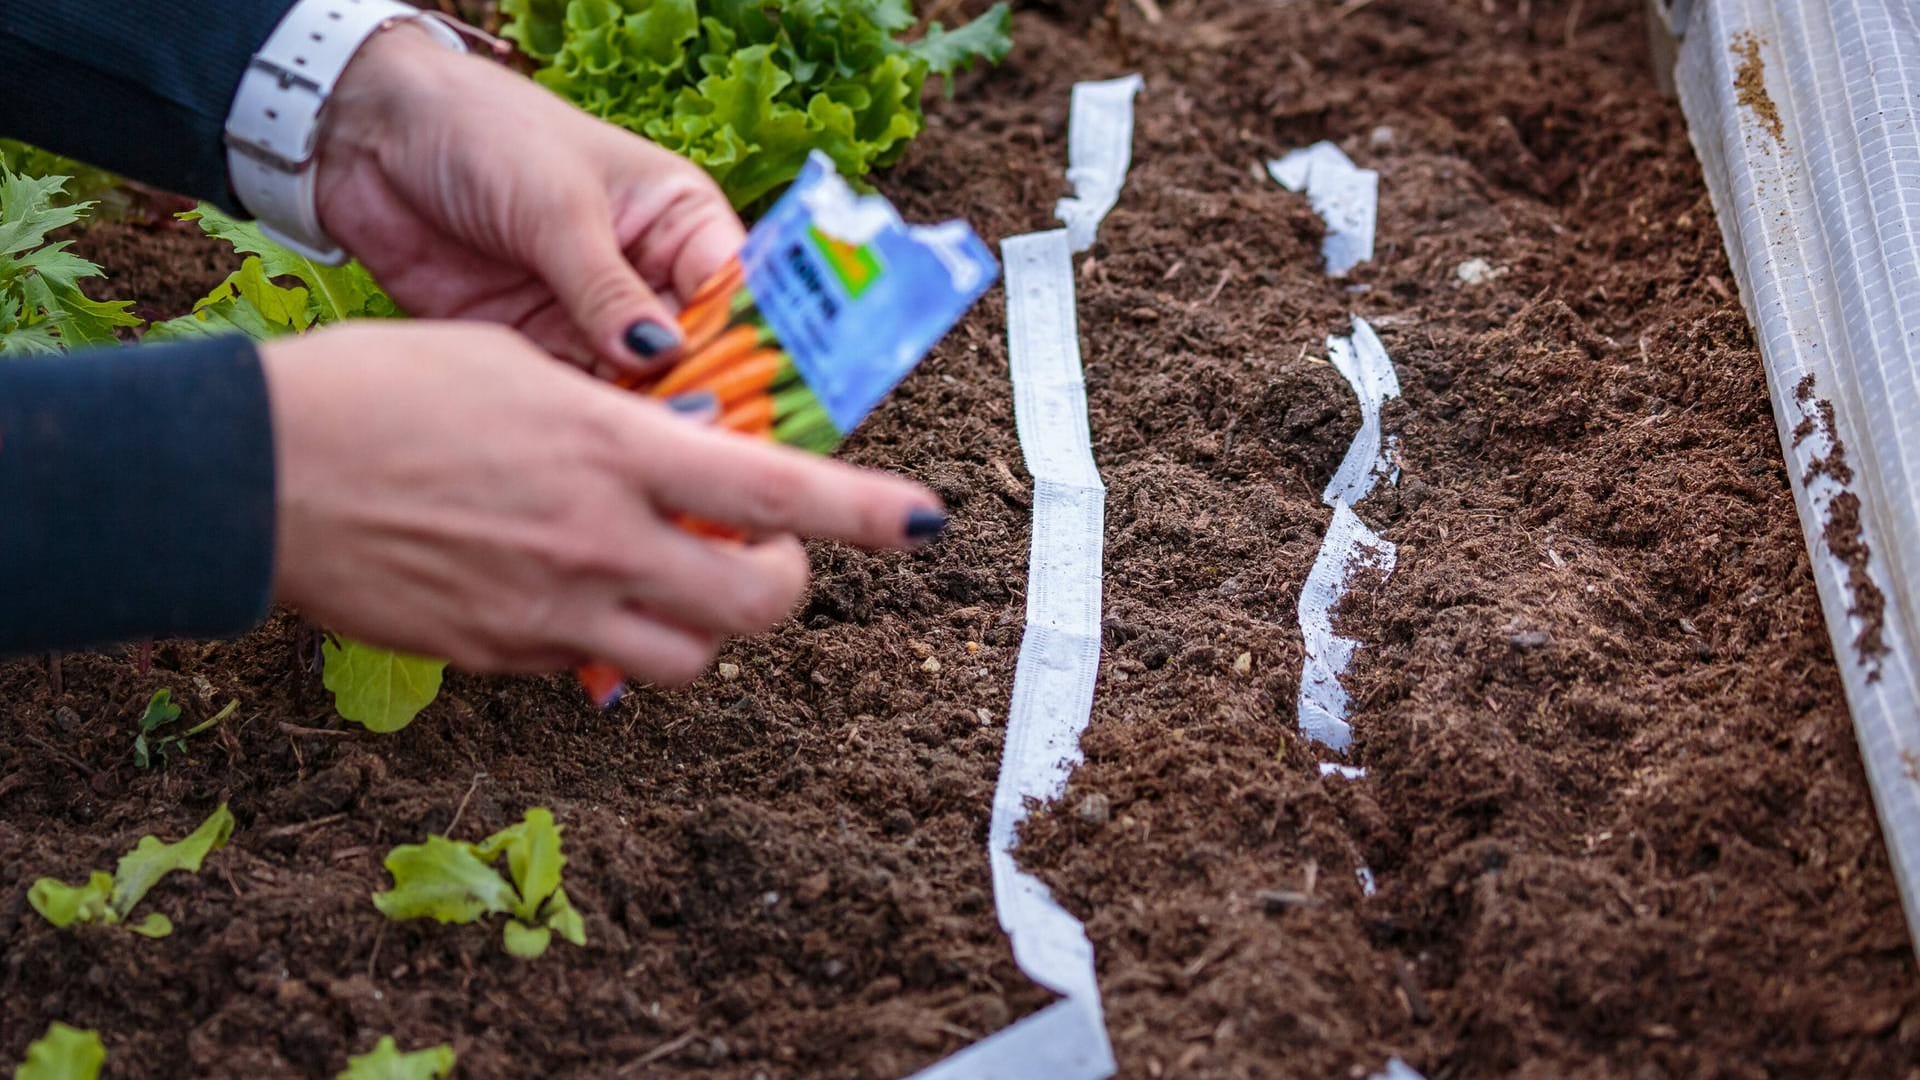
[830, 303]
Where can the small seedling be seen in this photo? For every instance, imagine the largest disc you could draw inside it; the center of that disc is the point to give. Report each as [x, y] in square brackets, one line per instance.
[109, 898]
[63, 1053]
[386, 1062]
[161, 711]
[454, 882]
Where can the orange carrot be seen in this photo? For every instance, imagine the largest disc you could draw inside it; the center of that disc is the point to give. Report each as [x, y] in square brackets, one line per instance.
[726, 350]
[700, 325]
[749, 417]
[752, 374]
[724, 281]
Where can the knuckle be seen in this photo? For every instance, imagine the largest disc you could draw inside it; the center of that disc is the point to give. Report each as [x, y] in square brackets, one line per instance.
[772, 497]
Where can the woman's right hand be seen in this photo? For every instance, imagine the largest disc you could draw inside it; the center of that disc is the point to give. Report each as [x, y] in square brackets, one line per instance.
[441, 493]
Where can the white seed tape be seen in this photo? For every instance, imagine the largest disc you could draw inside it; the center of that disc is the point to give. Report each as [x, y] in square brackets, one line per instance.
[1349, 548]
[1363, 362]
[1060, 649]
[1818, 199]
[1345, 196]
[1053, 682]
[1099, 151]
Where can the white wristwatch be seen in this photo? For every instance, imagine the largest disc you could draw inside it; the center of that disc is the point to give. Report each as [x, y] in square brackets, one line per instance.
[273, 127]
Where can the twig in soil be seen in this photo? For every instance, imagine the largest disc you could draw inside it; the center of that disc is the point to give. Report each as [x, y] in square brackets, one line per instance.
[1209, 958]
[1410, 992]
[658, 1052]
[325, 733]
[1349, 8]
[303, 826]
[56, 682]
[464, 800]
[373, 958]
[1225, 276]
[1276, 901]
[85, 769]
[1149, 11]
[1573, 21]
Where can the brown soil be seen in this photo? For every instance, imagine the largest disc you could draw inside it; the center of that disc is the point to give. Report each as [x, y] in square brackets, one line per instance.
[1615, 807]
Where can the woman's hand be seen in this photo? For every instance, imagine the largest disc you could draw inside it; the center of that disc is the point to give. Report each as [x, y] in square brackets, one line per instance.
[442, 492]
[473, 193]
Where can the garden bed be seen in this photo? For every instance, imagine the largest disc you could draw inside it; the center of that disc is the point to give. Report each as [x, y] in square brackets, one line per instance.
[1614, 810]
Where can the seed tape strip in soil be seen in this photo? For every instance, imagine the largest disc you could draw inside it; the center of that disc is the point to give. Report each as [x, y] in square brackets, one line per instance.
[1806, 117]
[1060, 648]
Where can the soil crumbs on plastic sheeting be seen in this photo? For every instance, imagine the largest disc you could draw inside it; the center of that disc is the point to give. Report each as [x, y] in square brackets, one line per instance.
[1614, 807]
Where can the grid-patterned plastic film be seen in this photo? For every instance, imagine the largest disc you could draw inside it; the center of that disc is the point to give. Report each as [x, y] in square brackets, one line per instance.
[1806, 116]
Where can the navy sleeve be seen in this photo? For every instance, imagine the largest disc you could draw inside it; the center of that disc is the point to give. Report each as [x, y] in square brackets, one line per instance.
[136, 495]
[140, 87]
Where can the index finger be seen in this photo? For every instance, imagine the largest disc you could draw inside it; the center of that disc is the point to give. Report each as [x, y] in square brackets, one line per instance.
[764, 487]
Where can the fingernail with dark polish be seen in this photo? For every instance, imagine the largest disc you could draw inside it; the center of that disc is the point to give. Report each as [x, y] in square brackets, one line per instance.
[925, 525]
[649, 340]
[695, 403]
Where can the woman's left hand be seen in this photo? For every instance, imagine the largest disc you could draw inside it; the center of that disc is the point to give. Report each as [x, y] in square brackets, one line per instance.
[471, 192]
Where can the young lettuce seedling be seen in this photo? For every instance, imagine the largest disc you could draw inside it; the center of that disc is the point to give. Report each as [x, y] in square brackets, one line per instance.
[449, 881]
[63, 1053]
[386, 1062]
[109, 898]
[161, 711]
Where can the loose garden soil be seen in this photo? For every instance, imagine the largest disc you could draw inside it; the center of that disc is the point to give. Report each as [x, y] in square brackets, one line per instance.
[1614, 805]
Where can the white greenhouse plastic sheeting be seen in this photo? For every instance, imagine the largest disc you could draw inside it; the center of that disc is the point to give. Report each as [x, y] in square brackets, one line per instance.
[1816, 182]
[1060, 648]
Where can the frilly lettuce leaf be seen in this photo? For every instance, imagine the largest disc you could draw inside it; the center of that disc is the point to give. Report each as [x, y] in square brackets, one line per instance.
[63, 1053]
[386, 1062]
[450, 881]
[109, 898]
[379, 689]
[445, 881]
[747, 88]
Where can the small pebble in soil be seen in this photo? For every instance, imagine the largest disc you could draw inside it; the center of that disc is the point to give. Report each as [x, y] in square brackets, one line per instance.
[728, 671]
[1529, 640]
[931, 665]
[1381, 137]
[1094, 809]
[1243, 664]
[1477, 271]
[973, 648]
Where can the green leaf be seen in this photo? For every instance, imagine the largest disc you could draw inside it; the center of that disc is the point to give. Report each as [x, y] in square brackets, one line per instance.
[989, 38]
[535, 25]
[335, 293]
[376, 688]
[155, 925]
[63, 1053]
[534, 861]
[444, 881]
[526, 942]
[747, 88]
[247, 302]
[66, 905]
[386, 1062]
[160, 710]
[564, 920]
[150, 860]
[42, 307]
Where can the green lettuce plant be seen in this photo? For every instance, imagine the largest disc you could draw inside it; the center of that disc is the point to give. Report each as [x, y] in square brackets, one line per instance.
[747, 88]
[386, 1062]
[449, 881]
[42, 309]
[63, 1053]
[109, 899]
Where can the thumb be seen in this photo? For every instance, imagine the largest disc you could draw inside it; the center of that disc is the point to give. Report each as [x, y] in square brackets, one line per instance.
[622, 320]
